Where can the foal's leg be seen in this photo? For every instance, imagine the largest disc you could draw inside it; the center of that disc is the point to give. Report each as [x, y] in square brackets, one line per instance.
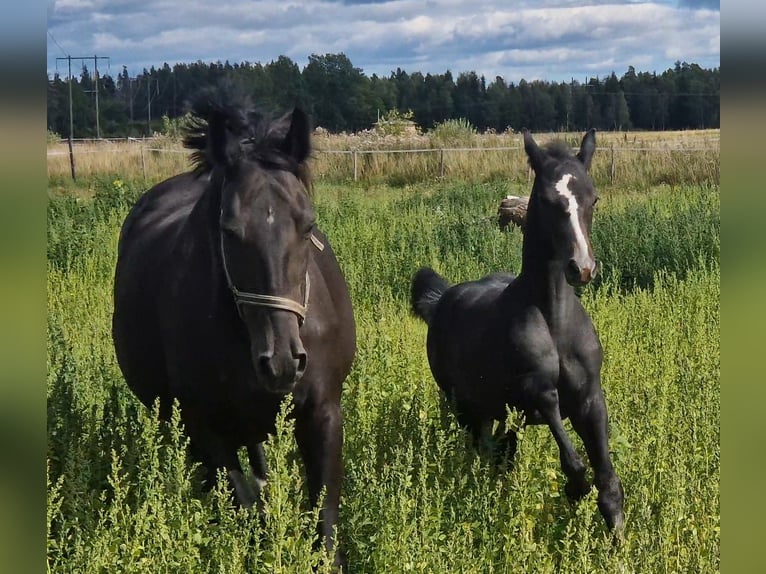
[547, 404]
[319, 434]
[592, 426]
[505, 445]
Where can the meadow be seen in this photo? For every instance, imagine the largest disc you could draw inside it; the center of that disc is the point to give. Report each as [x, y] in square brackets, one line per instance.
[123, 496]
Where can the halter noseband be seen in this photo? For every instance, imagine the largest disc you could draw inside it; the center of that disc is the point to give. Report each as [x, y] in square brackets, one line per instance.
[270, 301]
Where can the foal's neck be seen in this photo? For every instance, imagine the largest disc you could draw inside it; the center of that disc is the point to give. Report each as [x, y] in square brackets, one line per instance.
[542, 275]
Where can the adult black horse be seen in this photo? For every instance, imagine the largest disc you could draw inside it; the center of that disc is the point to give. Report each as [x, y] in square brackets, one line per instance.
[227, 297]
[527, 342]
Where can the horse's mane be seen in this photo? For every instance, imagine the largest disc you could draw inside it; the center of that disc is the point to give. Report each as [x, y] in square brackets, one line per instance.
[558, 149]
[228, 107]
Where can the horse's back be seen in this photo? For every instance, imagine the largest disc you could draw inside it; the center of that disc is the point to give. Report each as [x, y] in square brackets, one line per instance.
[145, 245]
[464, 328]
[160, 210]
[472, 298]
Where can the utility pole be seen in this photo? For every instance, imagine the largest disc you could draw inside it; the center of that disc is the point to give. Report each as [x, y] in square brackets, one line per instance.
[95, 67]
[149, 102]
[148, 106]
[95, 76]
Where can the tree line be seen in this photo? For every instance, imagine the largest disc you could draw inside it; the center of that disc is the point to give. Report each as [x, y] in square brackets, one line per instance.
[340, 97]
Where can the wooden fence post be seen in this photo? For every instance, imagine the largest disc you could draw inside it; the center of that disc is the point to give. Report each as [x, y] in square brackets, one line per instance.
[143, 162]
[441, 164]
[71, 158]
[355, 166]
[612, 168]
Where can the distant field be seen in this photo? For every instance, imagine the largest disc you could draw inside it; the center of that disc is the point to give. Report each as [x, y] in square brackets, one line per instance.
[633, 159]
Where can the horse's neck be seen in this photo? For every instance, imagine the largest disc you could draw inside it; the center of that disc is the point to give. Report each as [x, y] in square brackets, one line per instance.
[542, 276]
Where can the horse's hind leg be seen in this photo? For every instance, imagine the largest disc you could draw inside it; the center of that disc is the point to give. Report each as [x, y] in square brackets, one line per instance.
[547, 404]
[592, 426]
[478, 426]
[505, 445]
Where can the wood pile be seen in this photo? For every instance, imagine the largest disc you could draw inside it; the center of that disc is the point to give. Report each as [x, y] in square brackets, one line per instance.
[513, 209]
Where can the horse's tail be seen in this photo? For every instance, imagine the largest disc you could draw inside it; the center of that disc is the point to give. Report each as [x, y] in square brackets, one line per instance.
[427, 288]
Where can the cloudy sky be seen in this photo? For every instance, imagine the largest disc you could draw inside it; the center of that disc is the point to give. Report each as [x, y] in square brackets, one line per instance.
[553, 40]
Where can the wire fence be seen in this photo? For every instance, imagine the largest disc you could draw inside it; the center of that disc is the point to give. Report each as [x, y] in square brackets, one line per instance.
[662, 159]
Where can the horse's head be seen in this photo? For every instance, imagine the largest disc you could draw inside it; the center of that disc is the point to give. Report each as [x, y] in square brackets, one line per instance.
[563, 196]
[265, 224]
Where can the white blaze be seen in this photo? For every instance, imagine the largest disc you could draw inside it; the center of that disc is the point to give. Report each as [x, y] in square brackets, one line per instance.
[581, 244]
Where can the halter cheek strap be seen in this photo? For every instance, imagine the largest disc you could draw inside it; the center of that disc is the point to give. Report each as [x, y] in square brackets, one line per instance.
[270, 301]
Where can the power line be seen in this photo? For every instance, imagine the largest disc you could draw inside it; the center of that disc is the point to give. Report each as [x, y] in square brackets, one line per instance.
[59, 45]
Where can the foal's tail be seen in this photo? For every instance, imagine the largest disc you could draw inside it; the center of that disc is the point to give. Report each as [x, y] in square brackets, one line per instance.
[427, 288]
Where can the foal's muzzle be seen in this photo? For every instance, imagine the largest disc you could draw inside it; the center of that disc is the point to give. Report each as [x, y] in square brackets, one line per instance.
[577, 275]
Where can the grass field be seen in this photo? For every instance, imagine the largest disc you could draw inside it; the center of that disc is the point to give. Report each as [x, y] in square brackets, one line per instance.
[122, 495]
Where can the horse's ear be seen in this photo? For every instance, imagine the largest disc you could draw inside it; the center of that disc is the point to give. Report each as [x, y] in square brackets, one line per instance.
[587, 148]
[534, 153]
[224, 146]
[297, 142]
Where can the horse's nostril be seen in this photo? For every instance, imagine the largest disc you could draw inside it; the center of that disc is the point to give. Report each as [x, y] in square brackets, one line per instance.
[573, 268]
[301, 364]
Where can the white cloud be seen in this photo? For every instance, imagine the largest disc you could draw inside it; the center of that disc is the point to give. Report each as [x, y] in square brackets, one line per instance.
[551, 39]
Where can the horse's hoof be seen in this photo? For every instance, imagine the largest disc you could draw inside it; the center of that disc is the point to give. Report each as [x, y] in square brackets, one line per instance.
[576, 490]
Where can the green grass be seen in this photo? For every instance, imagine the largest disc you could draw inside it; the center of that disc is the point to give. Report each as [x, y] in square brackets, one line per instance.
[122, 495]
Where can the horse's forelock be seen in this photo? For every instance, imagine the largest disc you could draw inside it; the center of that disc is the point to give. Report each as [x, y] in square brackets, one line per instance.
[261, 135]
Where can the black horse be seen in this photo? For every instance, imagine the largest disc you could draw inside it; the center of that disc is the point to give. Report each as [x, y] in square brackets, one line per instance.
[227, 297]
[527, 342]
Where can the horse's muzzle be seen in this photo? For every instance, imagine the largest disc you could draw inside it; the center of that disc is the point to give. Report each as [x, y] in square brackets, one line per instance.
[577, 275]
[280, 373]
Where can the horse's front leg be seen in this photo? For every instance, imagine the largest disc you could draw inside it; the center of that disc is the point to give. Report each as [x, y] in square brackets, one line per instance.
[319, 433]
[544, 397]
[259, 470]
[591, 424]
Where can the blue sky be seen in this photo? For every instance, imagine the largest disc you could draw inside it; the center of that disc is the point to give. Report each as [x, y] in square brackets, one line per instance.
[553, 40]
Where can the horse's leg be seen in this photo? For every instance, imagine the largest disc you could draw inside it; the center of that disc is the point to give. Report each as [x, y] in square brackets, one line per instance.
[592, 426]
[319, 434]
[547, 404]
[469, 419]
[259, 469]
[215, 452]
[258, 463]
[505, 445]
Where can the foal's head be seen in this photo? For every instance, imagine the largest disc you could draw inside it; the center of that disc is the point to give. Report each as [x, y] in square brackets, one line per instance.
[265, 223]
[563, 198]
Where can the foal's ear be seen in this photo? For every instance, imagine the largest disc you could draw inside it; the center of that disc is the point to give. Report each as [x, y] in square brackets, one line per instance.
[587, 147]
[534, 153]
[297, 142]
